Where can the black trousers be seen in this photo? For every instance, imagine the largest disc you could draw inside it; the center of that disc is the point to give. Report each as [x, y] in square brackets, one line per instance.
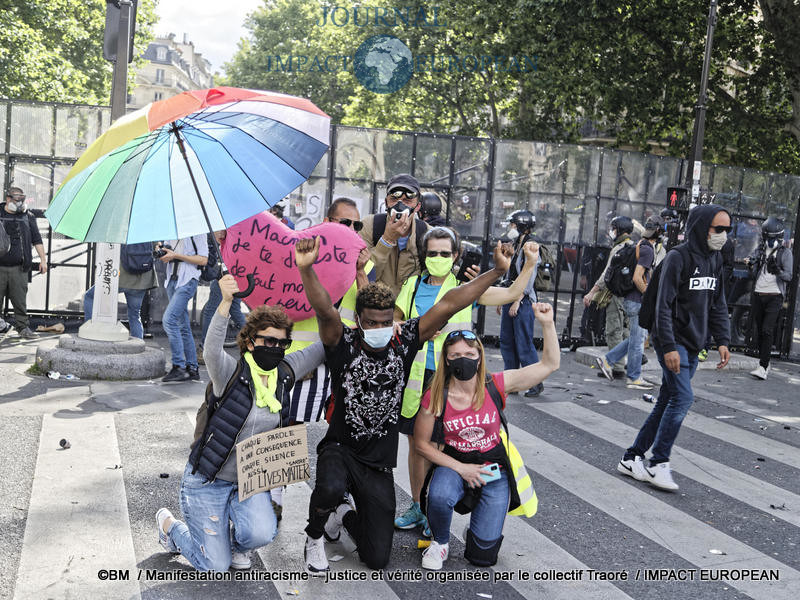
[764, 309]
[372, 524]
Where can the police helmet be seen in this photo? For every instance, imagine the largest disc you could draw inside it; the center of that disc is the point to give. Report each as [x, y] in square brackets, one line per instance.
[523, 219]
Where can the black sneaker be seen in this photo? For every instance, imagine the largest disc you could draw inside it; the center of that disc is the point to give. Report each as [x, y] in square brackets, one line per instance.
[194, 372]
[535, 391]
[176, 374]
[26, 334]
[4, 326]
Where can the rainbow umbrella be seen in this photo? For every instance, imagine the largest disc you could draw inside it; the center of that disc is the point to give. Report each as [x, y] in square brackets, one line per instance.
[200, 161]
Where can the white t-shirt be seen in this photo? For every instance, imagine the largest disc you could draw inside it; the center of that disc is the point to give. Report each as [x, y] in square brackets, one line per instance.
[187, 271]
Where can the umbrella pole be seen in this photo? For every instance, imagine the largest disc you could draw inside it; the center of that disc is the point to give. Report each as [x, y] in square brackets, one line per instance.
[224, 270]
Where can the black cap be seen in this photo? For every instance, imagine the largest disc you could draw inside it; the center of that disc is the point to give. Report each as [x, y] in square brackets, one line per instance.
[404, 181]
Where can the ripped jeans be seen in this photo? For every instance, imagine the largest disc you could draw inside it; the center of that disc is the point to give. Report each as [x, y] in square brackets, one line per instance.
[209, 508]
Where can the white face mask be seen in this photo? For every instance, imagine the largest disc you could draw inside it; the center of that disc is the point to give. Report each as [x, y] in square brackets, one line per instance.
[16, 207]
[774, 243]
[512, 234]
[376, 338]
[612, 234]
[717, 240]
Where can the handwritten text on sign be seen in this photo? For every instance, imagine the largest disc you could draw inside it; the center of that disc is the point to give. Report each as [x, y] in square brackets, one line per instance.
[264, 246]
[270, 459]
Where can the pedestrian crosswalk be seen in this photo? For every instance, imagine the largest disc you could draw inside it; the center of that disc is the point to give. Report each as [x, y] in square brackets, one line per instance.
[90, 532]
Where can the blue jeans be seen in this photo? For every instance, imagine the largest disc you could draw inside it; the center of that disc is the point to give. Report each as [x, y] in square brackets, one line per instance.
[214, 299]
[206, 539]
[486, 520]
[633, 346]
[133, 298]
[516, 336]
[674, 399]
[177, 324]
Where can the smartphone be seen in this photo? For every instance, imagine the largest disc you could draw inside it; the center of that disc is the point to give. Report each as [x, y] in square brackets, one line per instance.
[470, 258]
[396, 215]
[494, 468]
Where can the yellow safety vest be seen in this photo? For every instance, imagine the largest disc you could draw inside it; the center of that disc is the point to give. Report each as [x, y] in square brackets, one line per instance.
[306, 332]
[459, 321]
[529, 503]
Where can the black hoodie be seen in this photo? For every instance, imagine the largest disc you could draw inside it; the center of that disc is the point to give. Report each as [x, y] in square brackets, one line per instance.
[691, 298]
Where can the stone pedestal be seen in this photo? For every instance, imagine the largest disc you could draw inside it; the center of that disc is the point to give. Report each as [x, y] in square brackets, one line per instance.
[89, 359]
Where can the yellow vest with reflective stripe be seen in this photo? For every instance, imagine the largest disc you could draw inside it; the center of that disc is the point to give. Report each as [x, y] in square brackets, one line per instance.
[306, 332]
[529, 503]
[459, 321]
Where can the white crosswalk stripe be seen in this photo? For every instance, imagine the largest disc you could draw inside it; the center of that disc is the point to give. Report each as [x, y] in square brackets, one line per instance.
[671, 528]
[710, 473]
[78, 519]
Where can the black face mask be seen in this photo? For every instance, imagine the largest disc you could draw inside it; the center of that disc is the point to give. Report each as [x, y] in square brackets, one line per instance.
[464, 368]
[266, 357]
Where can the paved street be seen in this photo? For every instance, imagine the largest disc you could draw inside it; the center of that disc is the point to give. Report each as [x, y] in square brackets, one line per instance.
[71, 516]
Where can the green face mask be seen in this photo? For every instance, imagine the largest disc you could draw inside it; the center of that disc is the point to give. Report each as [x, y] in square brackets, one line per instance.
[439, 266]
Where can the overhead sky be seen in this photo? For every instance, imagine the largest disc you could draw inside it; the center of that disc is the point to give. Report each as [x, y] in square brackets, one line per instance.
[214, 26]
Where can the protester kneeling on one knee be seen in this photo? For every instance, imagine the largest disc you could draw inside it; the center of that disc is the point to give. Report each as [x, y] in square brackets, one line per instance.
[246, 397]
[461, 410]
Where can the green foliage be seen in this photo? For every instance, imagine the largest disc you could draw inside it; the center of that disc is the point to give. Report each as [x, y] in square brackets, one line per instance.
[627, 70]
[53, 50]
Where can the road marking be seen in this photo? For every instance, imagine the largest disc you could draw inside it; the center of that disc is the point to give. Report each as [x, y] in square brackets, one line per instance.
[285, 553]
[669, 527]
[539, 553]
[734, 483]
[78, 521]
[748, 440]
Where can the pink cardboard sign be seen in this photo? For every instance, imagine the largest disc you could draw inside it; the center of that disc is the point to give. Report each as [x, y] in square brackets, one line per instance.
[264, 246]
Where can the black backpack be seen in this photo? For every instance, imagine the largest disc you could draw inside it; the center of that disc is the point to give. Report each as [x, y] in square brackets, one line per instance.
[211, 270]
[137, 258]
[619, 276]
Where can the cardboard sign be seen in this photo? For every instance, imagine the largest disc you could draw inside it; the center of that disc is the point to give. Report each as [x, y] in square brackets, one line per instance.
[264, 246]
[271, 459]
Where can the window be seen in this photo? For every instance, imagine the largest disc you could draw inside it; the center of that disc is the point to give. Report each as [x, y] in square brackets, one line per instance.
[158, 96]
[161, 53]
[159, 75]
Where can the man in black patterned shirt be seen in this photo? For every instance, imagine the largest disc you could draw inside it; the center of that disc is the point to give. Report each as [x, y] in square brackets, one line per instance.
[369, 367]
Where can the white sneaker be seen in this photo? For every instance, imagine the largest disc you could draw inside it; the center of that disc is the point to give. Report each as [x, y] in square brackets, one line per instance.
[660, 476]
[633, 468]
[163, 537]
[314, 554]
[435, 555]
[639, 384]
[241, 561]
[335, 531]
[759, 372]
[605, 367]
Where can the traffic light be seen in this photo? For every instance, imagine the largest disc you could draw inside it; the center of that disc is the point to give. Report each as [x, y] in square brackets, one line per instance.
[678, 198]
[112, 27]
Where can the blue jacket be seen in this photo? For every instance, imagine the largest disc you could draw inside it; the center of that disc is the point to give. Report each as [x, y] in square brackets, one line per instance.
[691, 297]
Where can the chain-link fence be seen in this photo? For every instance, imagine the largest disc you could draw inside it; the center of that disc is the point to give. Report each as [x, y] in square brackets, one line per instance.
[573, 190]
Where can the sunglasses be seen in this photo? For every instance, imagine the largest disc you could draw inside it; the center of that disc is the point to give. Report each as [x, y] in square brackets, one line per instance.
[270, 341]
[463, 333]
[357, 225]
[442, 253]
[722, 228]
[401, 193]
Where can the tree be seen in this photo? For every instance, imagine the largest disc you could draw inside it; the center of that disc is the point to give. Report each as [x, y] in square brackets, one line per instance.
[53, 50]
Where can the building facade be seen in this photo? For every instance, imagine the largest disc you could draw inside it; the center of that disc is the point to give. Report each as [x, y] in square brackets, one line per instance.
[173, 67]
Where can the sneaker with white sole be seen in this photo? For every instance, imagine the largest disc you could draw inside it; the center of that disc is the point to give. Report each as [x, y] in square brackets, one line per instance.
[163, 537]
[435, 555]
[639, 384]
[241, 561]
[605, 367]
[759, 372]
[632, 468]
[335, 531]
[660, 476]
[314, 555]
[411, 518]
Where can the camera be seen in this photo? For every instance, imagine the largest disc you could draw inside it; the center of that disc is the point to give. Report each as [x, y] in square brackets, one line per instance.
[160, 251]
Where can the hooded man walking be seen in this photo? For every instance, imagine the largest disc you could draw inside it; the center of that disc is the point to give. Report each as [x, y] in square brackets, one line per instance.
[690, 302]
